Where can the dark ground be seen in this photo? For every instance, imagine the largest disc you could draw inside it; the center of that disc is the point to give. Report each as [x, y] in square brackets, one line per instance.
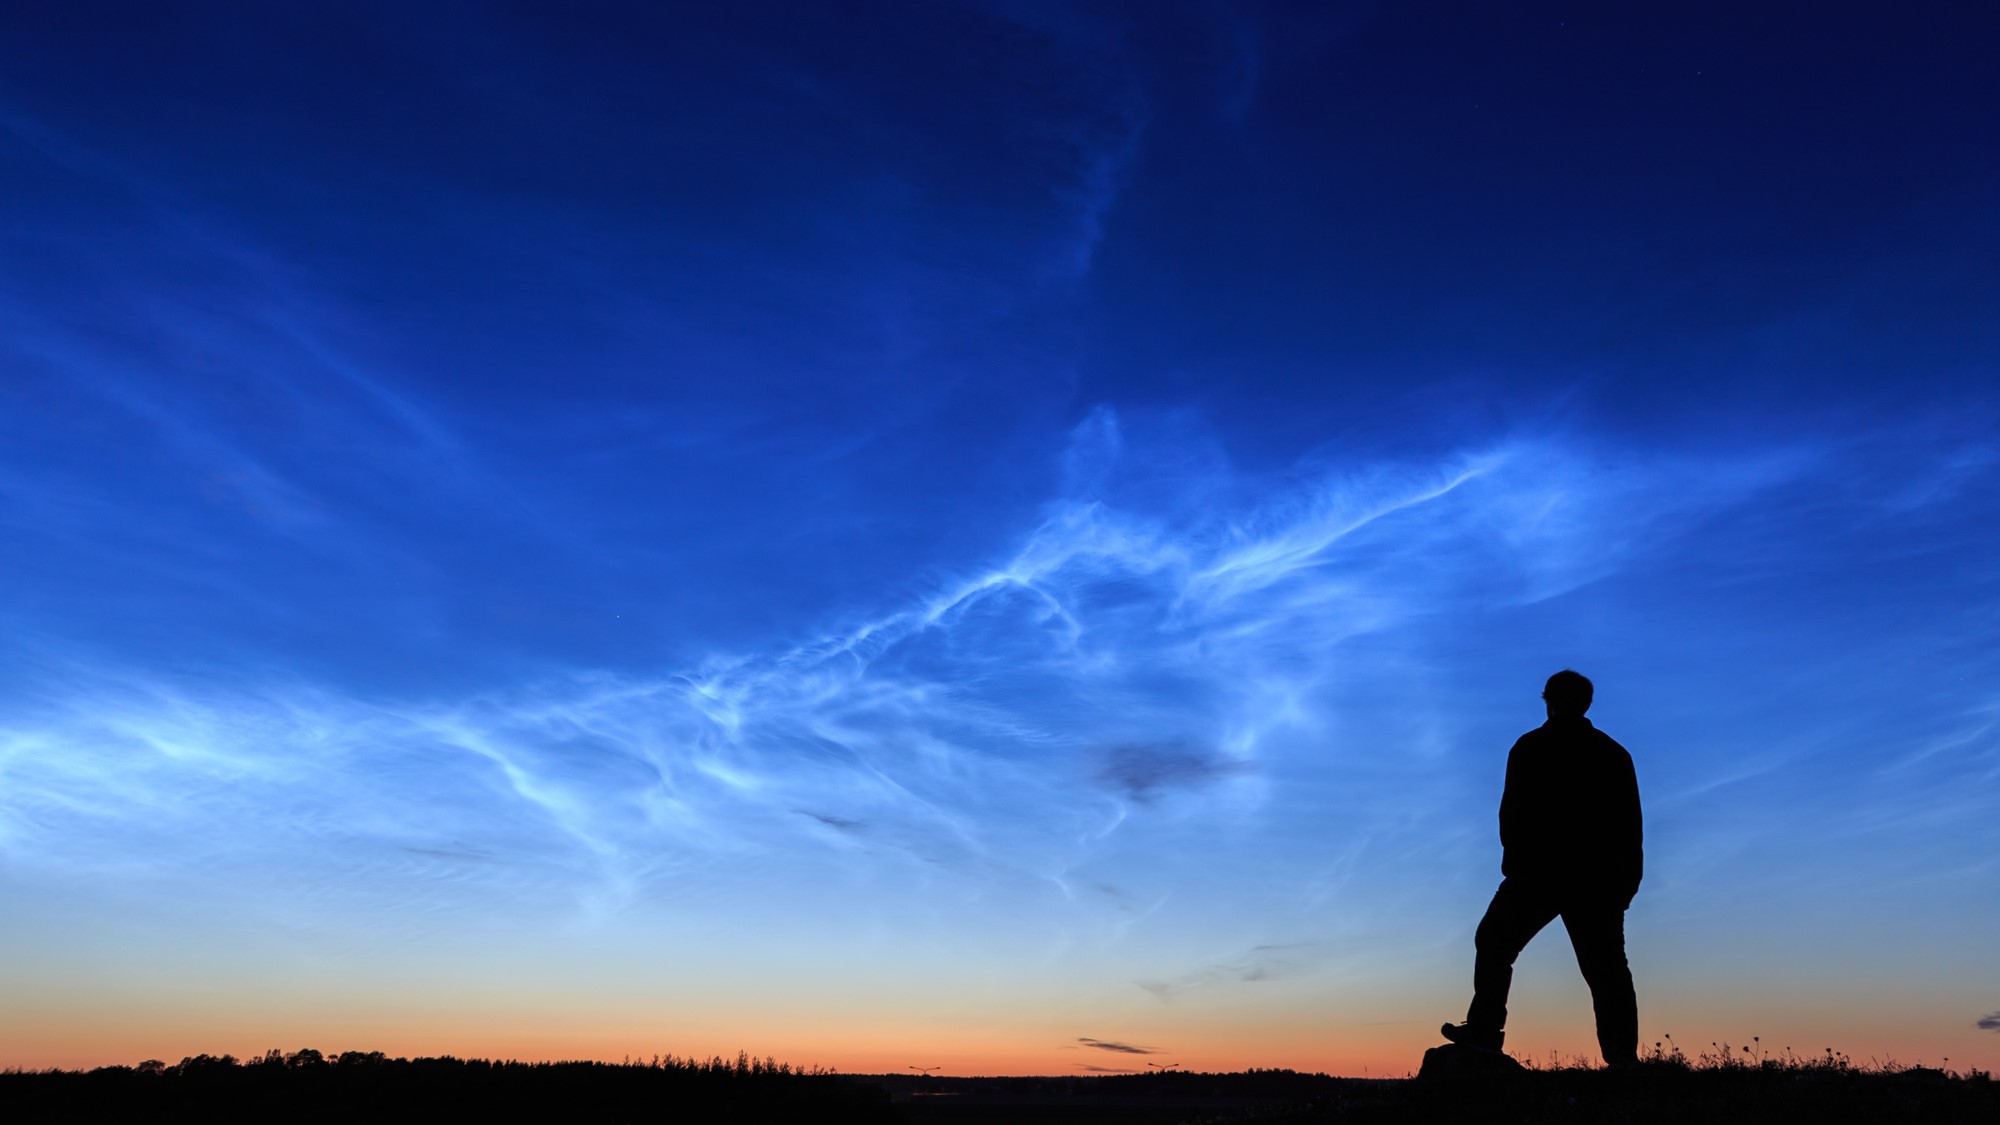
[1659, 1093]
[306, 1087]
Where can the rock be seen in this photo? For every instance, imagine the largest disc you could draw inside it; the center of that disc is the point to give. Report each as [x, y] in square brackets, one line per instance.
[1457, 1060]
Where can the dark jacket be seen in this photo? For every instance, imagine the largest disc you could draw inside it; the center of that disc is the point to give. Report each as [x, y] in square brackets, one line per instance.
[1570, 814]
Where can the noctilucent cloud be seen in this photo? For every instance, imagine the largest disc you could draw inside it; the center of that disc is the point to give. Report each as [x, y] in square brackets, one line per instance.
[1005, 536]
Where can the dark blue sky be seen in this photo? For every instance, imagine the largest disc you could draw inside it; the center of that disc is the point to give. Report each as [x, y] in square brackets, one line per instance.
[1024, 382]
[728, 293]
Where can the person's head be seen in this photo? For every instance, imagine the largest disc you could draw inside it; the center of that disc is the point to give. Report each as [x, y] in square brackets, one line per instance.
[1566, 693]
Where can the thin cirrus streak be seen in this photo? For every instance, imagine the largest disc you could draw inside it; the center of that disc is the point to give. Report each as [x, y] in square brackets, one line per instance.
[1117, 1048]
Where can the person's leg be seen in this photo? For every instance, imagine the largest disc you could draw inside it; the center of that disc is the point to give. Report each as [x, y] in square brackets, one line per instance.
[1597, 932]
[1516, 915]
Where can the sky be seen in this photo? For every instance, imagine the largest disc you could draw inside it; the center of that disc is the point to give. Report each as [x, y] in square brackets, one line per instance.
[1013, 537]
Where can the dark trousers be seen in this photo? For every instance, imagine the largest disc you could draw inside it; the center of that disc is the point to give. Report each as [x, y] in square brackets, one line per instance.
[1596, 925]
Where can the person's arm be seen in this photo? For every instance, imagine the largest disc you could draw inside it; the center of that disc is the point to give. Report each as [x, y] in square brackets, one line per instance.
[1631, 824]
[1512, 796]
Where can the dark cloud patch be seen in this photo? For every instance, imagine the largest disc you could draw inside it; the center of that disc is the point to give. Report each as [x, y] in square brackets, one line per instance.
[1143, 771]
[837, 822]
[450, 854]
[1107, 1069]
[1120, 898]
[1121, 1048]
[1989, 1023]
[1260, 963]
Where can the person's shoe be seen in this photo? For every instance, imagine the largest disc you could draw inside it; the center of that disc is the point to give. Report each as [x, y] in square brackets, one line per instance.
[1469, 1036]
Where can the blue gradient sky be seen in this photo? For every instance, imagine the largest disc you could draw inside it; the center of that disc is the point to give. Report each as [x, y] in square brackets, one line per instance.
[973, 534]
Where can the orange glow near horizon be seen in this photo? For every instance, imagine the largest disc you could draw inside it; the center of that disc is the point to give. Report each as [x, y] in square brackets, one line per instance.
[81, 1040]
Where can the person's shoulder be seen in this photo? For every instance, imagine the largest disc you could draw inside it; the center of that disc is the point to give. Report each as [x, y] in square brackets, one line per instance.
[1610, 743]
[1529, 741]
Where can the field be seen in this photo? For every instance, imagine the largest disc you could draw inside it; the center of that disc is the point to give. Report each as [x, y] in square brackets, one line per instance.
[306, 1086]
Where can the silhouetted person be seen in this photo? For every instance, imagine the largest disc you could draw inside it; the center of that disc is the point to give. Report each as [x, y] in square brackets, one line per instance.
[1570, 836]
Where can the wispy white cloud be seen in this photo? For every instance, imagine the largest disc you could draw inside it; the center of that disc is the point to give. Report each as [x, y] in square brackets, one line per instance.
[1122, 673]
